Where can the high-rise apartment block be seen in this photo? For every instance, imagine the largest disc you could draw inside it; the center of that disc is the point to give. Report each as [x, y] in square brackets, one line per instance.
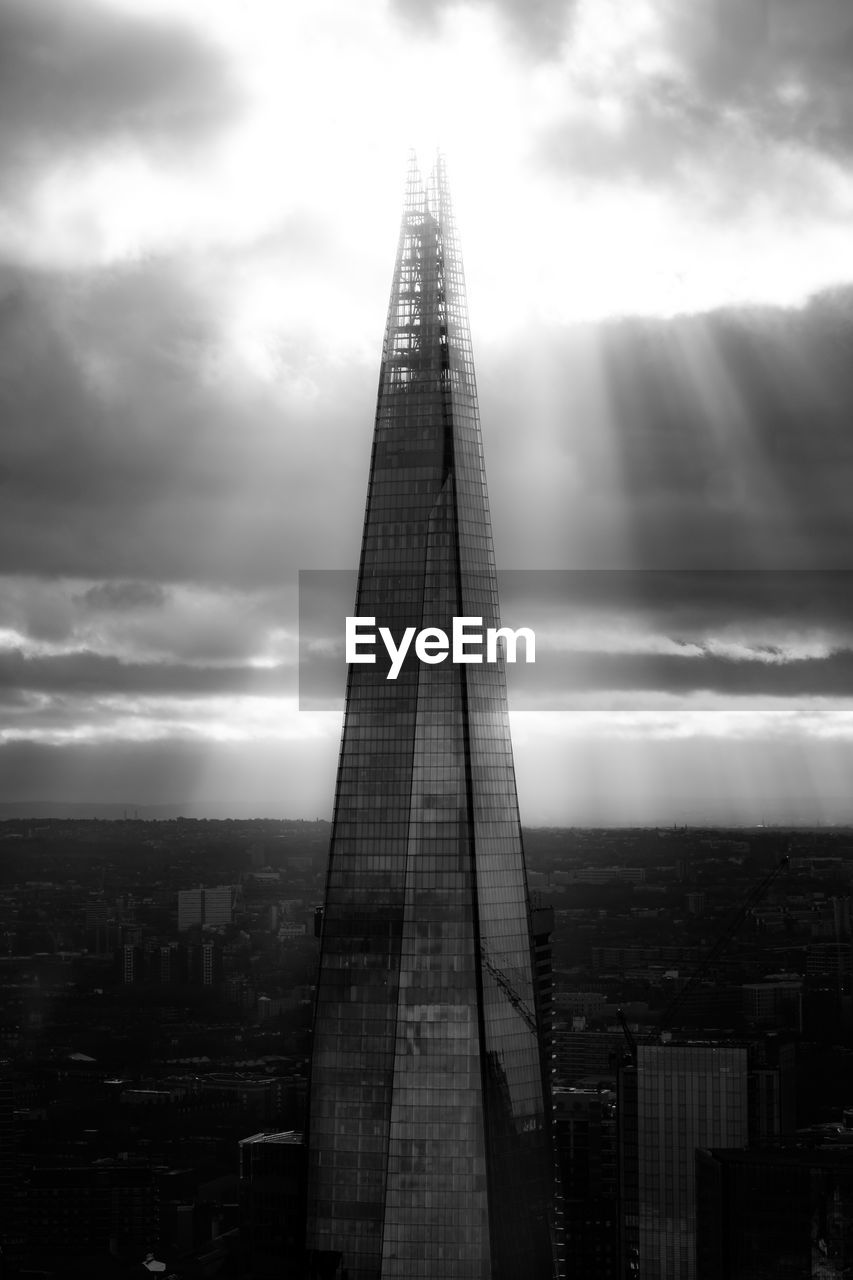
[586, 1146]
[272, 1202]
[131, 964]
[674, 1096]
[206, 907]
[190, 908]
[427, 1134]
[219, 905]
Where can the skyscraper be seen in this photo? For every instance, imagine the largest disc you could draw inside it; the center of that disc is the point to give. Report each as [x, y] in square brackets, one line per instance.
[272, 1202]
[428, 1146]
[677, 1098]
[205, 906]
[586, 1144]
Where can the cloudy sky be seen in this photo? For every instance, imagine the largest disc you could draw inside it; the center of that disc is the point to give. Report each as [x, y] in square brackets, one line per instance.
[198, 220]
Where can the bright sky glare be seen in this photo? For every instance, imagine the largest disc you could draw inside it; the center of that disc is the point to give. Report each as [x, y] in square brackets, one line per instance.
[196, 241]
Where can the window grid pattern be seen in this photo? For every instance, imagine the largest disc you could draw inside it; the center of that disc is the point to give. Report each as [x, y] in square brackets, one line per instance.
[688, 1096]
[427, 1146]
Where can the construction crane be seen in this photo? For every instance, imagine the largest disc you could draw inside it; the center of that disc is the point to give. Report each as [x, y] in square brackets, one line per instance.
[630, 1038]
[509, 991]
[752, 899]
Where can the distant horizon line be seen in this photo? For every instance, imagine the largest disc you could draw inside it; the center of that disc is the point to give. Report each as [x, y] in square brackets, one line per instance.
[23, 810]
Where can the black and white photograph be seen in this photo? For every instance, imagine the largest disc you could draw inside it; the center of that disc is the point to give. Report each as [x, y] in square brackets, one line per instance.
[426, 639]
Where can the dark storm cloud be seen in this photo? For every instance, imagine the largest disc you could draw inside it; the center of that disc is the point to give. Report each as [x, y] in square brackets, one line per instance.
[122, 596]
[738, 75]
[651, 679]
[559, 681]
[75, 467]
[74, 76]
[134, 450]
[60, 691]
[735, 447]
[665, 125]
[536, 26]
[786, 63]
[676, 633]
[687, 606]
[96, 674]
[130, 454]
[718, 441]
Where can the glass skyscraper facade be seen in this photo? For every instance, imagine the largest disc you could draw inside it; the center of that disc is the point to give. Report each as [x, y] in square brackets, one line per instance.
[687, 1096]
[427, 1135]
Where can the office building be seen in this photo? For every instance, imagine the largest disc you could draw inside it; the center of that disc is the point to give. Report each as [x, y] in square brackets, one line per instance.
[586, 1147]
[427, 1134]
[272, 1202]
[683, 1096]
[542, 928]
[190, 908]
[774, 1002]
[101, 929]
[580, 1054]
[218, 906]
[8, 1159]
[89, 1209]
[210, 908]
[771, 1088]
[131, 965]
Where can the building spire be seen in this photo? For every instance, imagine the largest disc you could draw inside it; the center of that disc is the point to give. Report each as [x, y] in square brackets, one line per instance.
[426, 1132]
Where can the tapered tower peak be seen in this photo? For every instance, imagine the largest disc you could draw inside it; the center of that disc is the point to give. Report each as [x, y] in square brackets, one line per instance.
[426, 1132]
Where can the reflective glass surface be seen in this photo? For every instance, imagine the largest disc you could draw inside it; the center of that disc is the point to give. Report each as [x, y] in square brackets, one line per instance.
[688, 1096]
[427, 1145]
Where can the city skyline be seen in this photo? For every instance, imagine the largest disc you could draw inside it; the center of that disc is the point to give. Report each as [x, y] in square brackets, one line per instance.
[192, 295]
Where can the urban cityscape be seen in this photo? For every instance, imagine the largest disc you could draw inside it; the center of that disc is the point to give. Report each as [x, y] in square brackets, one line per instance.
[157, 1038]
[491, 968]
[628, 1057]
